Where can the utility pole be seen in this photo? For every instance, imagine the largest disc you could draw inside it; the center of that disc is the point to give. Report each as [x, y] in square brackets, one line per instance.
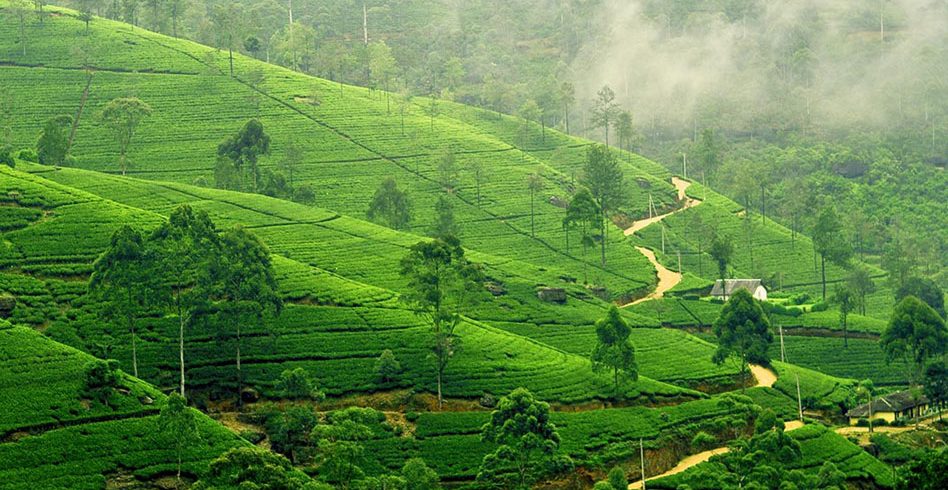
[679, 261]
[663, 237]
[783, 352]
[799, 399]
[642, 460]
[684, 165]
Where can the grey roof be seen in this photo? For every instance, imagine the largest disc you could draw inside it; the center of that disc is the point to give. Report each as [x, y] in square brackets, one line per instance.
[732, 285]
[895, 402]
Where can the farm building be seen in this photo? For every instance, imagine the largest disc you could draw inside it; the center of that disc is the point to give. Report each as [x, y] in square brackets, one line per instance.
[902, 404]
[729, 286]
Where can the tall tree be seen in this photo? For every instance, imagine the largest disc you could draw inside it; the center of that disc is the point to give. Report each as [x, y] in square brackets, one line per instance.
[860, 283]
[448, 168]
[605, 110]
[604, 178]
[21, 9]
[924, 289]
[708, 154]
[830, 242]
[390, 206]
[181, 247]
[915, 333]
[582, 213]
[722, 249]
[251, 467]
[936, 385]
[846, 300]
[293, 156]
[444, 225]
[743, 332]
[229, 24]
[613, 349]
[178, 425]
[477, 171]
[535, 185]
[339, 444]
[568, 97]
[53, 143]
[382, 67]
[177, 7]
[243, 275]
[121, 277]
[624, 130]
[441, 284]
[123, 116]
[527, 442]
[245, 148]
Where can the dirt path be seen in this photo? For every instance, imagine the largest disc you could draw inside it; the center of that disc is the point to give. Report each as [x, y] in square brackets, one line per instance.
[696, 459]
[765, 377]
[667, 279]
[682, 186]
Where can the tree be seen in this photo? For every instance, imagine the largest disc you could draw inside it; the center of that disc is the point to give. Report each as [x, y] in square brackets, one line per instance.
[121, 278]
[243, 275]
[846, 300]
[528, 113]
[898, 261]
[245, 148]
[613, 349]
[441, 283]
[130, 11]
[722, 249]
[296, 384]
[743, 332]
[568, 97]
[535, 185]
[866, 389]
[181, 247]
[6, 156]
[861, 285]
[289, 431]
[21, 9]
[604, 178]
[447, 169]
[924, 289]
[477, 171]
[228, 22]
[624, 130]
[936, 384]
[251, 467]
[929, 472]
[85, 8]
[382, 66]
[526, 438]
[53, 144]
[390, 206]
[178, 424]
[339, 443]
[583, 212]
[102, 378]
[388, 367]
[122, 116]
[617, 478]
[418, 476]
[708, 153]
[605, 110]
[293, 156]
[445, 225]
[830, 243]
[915, 333]
[176, 7]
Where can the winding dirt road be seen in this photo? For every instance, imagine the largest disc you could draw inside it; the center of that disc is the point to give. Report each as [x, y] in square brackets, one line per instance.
[667, 279]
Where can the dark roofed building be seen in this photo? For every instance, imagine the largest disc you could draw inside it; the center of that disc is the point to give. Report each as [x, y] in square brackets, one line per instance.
[903, 404]
[729, 286]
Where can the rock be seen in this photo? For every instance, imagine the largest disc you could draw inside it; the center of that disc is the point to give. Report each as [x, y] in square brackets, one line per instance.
[552, 295]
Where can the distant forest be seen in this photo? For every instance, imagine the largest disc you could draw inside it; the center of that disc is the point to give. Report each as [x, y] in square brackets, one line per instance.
[785, 108]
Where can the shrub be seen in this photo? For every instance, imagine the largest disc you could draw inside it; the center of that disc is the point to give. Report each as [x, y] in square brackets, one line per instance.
[603, 485]
[800, 299]
[617, 478]
[304, 194]
[703, 441]
[252, 436]
[388, 367]
[487, 400]
[821, 306]
[412, 416]
[102, 378]
[296, 384]
[6, 156]
[27, 155]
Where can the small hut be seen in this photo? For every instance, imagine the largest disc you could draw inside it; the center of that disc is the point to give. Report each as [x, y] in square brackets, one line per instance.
[728, 287]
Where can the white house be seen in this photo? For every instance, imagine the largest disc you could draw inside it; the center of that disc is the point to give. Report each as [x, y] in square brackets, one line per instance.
[753, 286]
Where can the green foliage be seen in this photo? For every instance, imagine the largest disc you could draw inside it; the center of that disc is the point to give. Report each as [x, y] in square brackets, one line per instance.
[123, 116]
[603, 175]
[178, 424]
[339, 443]
[936, 382]
[721, 251]
[830, 243]
[390, 206]
[102, 378]
[242, 151]
[526, 438]
[296, 384]
[247, 467]
[924, 289]
[916, 333]
[613, 349]
[445, 224]
[289, 432]
[53, 144]
[388, 367]
[6, 156]
[743, 331]
[418, 476]
[617, 478]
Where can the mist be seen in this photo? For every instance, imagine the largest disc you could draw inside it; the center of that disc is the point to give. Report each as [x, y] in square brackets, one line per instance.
[801, 64]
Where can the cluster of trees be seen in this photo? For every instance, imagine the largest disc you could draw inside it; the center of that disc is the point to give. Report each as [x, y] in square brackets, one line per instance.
[238, 166]
[917, 335]
[188, 270]
[122, 116]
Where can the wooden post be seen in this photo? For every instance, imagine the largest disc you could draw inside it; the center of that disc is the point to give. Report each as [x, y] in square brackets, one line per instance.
[869, 397]
[642, 460]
